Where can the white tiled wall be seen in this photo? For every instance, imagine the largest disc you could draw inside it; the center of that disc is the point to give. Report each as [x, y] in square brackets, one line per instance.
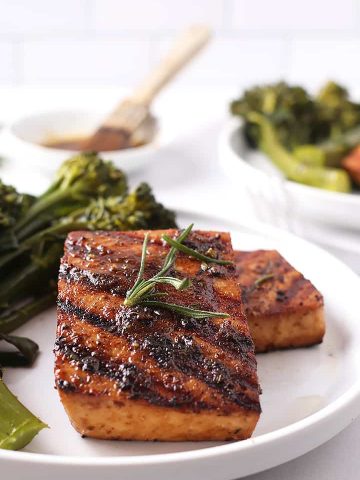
[99, 42]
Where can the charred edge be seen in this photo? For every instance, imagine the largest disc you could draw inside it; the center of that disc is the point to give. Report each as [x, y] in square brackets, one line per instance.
[128, 323]
[66, 386]
[183, 356]
[299, 283]
[202, 243]
[129, 378]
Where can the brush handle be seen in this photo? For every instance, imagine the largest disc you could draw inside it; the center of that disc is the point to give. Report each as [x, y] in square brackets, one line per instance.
[184, 49]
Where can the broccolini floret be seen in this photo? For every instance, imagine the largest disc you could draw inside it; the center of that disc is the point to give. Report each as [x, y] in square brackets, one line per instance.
[12, 205]
[80, 179]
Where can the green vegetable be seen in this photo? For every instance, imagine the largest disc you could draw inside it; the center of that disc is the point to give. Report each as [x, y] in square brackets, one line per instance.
[316, 131]
[87, 194]
[143, 291]
[290, 110]
[138, 210]
[26, 354]
[35, 262]
[336, 148]
[78, 180]
[18, 426]
[13, 205]
[337, 110]
[19, 315]
[327, 178]
[310, 155]
[297, 117]
[29, 272]
[185, 311]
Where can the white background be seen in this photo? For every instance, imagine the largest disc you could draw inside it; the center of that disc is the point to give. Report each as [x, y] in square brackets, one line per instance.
[51, 49]
[97, 42]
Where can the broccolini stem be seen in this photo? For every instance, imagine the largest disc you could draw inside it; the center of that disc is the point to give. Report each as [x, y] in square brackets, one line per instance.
[18, 426]
[16, 318]
[43, 204]
[20, 284]
[327, 178]
[26, 245]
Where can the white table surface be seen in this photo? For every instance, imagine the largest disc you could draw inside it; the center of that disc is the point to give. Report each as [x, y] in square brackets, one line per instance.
[186, 175]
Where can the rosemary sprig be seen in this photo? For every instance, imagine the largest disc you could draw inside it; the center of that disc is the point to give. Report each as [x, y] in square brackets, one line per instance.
[143, 291]
[186, 311]
[193, 253]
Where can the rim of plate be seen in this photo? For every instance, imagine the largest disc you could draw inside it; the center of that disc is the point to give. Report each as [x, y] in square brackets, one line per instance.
[224, 142]
[348, 399]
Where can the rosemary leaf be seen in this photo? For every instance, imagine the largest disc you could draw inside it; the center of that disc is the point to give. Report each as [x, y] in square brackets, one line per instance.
[193, 253]
[177, 283]
[263, 279]
[170, 257]
[143, 291]
[186, 311]
[142, 265]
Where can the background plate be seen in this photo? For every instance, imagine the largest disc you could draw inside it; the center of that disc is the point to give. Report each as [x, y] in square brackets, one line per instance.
[308, 395]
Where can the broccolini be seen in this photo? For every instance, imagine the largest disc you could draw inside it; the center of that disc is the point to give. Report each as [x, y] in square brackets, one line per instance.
[87, 194]
[312, 132]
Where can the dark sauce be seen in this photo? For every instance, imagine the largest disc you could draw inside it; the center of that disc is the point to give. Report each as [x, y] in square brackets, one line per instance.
[77, 144]
[74, 143]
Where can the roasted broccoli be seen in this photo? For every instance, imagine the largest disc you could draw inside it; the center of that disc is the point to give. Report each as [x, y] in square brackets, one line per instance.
[80, 179]
[290, 109]
[337, 110]
[333, 179]
[314, 132]
[138, 210]
[30, 270]
[13, 205]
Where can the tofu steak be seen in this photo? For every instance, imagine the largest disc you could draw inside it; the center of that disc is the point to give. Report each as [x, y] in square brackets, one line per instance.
[283, 309]
[136, 373]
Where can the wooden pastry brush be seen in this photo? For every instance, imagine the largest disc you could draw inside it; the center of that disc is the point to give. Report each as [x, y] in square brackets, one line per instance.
[116, 131]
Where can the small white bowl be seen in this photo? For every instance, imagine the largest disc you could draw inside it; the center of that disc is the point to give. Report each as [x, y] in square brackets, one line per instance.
[23, 140]
[277, 200]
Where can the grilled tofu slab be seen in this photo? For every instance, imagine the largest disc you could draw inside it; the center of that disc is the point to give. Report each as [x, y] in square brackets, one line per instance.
[283, 309]
[143, 374]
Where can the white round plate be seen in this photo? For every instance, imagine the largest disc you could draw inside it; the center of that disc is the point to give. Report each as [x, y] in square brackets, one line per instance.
[309, 394]
[285, 199]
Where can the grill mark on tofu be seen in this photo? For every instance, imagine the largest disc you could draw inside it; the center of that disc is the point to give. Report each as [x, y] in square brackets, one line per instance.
[213, 331]
[129, 378]
[235, 342]
[74, 334]
[178, 351]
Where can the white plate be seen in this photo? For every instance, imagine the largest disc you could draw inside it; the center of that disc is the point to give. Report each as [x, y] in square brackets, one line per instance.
[276, 198]
[309, 395]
